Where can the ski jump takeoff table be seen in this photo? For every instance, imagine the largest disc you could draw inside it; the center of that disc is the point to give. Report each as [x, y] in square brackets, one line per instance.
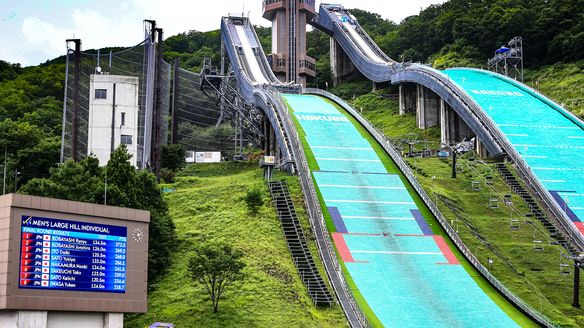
[70, 255]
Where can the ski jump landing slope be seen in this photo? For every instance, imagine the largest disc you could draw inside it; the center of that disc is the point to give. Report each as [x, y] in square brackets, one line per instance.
[408, 275]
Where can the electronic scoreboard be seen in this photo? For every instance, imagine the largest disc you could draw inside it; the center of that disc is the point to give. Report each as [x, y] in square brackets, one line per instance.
[70, 255]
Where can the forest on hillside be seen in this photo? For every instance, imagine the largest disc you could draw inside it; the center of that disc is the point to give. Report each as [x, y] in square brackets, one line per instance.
[458, 32]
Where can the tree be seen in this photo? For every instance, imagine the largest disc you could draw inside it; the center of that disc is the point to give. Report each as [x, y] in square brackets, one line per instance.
[173, 157]
[126, 187]
[216, 266]
[254, 200]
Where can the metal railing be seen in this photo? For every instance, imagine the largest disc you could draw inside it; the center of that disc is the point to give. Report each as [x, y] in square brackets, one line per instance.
[397, 159]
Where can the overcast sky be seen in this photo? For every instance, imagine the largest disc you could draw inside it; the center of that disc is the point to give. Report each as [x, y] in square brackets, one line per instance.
[33, 31]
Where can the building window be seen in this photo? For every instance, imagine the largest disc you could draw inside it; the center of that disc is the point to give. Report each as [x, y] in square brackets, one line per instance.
[100, 94]
[126, 139]
[123, 118]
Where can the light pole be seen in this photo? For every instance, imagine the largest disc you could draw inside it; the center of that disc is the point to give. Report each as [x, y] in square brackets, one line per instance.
[16, 174]
[453, 150]
[453, 163]
[576, 291]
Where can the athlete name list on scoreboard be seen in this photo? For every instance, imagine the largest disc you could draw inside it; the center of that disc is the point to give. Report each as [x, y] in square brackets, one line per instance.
[70, 255]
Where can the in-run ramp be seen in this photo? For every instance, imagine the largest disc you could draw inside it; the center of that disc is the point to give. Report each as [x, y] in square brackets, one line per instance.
[548, 153]
[407, 274]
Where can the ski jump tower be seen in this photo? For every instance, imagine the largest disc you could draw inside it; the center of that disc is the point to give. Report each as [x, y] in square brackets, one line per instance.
[288, 57]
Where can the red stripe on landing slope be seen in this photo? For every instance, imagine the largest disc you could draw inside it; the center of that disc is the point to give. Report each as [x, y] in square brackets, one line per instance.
[580, 226]
[445, 250]
[342, 247]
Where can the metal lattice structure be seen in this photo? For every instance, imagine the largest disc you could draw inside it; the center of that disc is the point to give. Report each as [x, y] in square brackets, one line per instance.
[509, 60]
[200, 124]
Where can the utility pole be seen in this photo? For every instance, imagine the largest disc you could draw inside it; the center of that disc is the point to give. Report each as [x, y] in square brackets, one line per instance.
[113, 127]
[576, 294]
[453, 163]
[105, 188]
[75, 118]
[157, 150]
[5, 165]
[16, 173]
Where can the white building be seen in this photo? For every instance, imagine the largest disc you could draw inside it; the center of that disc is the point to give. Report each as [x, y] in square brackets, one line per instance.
[113, 115]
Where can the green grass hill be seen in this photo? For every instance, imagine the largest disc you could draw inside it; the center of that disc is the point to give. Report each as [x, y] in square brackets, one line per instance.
[207, 205]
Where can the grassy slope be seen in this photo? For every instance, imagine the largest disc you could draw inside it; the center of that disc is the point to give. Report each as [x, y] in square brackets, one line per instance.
[208, 205]
[383, 113]
[563, 83]
[533, 273]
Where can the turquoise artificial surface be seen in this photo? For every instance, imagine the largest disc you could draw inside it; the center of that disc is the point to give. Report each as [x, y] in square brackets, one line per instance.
[550, 142]
[402, 278]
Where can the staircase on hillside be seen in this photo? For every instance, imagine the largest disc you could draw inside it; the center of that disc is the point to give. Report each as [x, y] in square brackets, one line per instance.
[297, 245]
[536, 212]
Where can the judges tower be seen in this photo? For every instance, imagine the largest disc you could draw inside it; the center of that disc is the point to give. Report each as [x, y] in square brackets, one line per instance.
[288, 56]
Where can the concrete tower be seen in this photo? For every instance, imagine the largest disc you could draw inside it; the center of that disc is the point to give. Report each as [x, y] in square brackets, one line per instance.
[288, 56]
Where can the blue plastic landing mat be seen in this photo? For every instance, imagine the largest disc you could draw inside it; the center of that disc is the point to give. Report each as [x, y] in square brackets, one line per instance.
[550, 142]
[408, 276]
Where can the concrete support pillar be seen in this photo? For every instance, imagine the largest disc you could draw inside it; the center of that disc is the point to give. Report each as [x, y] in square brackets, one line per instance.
[408, 98]
[402, 99]
[113, 320]
[334, 61]
[341, 65]
[427, 107]
[431, 108]
[480, 148]
[420, 107]
[266, 131]
[444, 123]
[268, 139]
[32, 319]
